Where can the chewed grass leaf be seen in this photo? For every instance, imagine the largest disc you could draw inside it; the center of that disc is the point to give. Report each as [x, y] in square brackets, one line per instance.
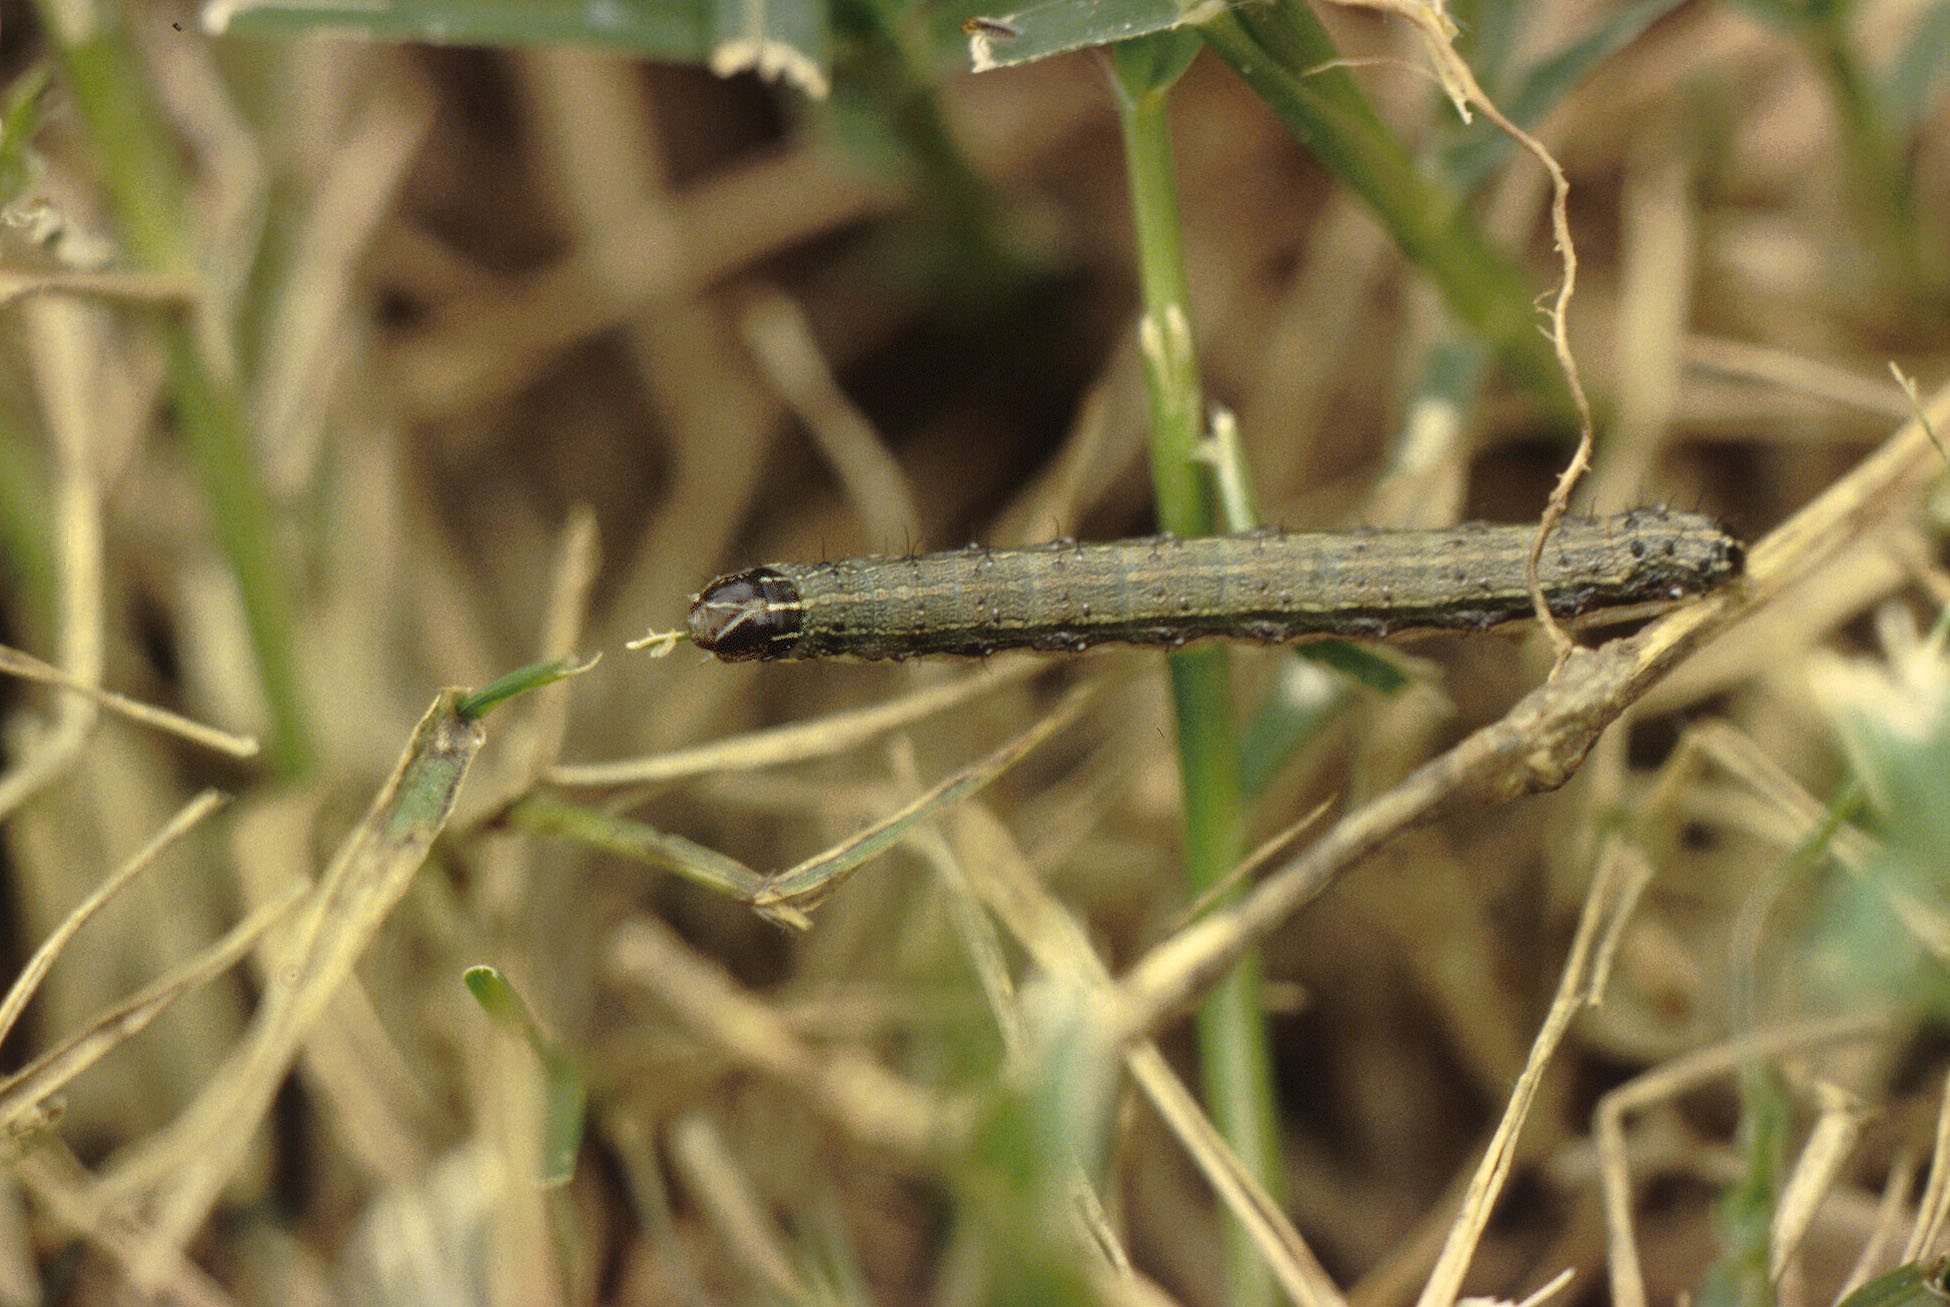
[1038, 31]
[367, 876]
[520, 681]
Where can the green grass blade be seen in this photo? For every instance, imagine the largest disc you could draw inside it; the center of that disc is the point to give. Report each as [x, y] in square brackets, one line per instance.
[125, 126]
[1917, 70]
[1279, 50]
[565, 1095]
[20, 117]
[1038, 31]
[1546, 84]
[786, 39]
[520, 681]
[638, 842]
[676, 31]
[1915, 1284]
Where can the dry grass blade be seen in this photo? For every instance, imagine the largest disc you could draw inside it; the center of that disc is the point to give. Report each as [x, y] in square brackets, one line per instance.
[196, 1155]
[724, 1196]
[1932, 1209]
[461, 360]
[23, 1092]
[67, 342]
[1294, 1266]
[360, 346]
[1779, 370]
[1802, 816]
[781, 341]
[1676, 1077]
[30, 976]
[136, 288]
[1059, 947]
[1621, 878]
[1821, 1163]
[572, 578]
[315, 317]
[52, 1175]
[1872, 1259]
[863, 1098]
[805, 885]
[1253, 863]
[820, 738]
[531, 737]
[981, 941]
[29, 668]
[1543, 739]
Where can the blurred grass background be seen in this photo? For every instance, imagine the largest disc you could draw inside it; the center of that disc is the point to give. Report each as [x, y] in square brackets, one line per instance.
[339, 370]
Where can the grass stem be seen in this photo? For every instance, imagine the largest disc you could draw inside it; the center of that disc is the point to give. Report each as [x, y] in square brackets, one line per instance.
[1234, 1056]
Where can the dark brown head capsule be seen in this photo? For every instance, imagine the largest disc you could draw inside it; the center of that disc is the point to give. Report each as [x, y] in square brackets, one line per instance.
[747, 615]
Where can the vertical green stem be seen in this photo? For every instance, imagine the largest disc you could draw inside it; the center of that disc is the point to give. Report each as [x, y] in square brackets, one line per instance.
[125, 126]
[1234, 1059]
